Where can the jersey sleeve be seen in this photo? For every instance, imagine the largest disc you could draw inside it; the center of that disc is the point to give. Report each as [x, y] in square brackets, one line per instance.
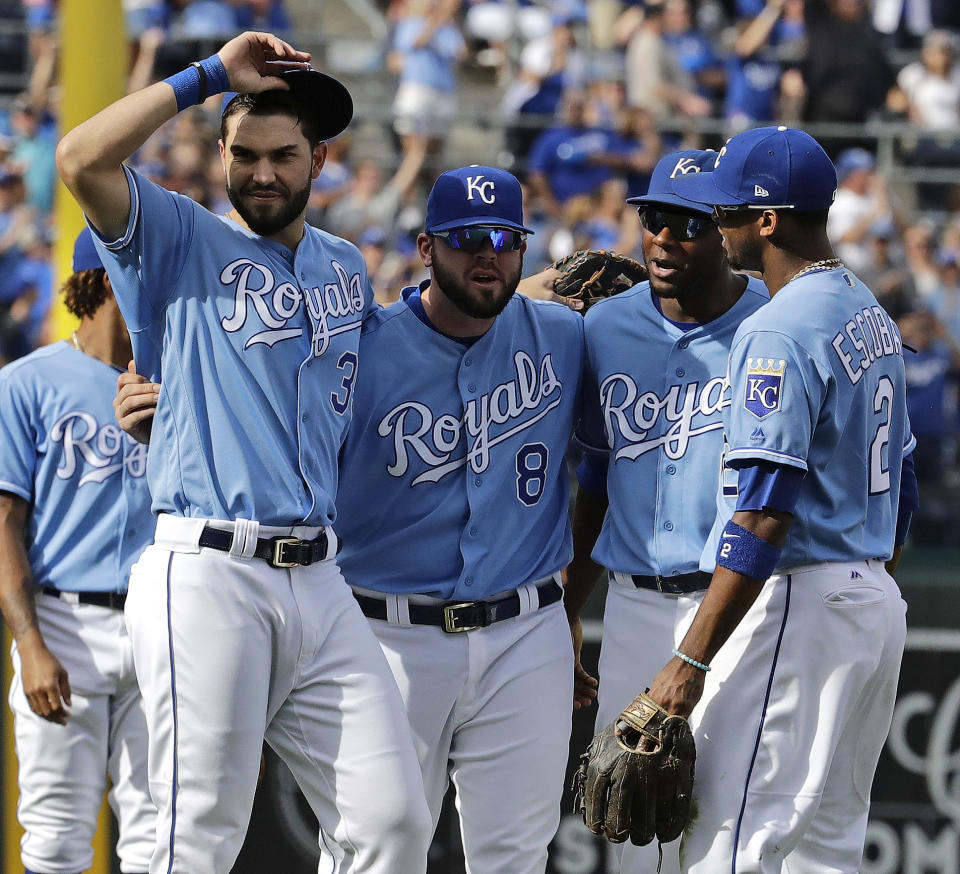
[776, 391]
[146, 261]
[18, 444]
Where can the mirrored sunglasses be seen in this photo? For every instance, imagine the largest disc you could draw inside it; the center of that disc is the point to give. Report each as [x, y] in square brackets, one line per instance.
[682, 225]
[472, 239]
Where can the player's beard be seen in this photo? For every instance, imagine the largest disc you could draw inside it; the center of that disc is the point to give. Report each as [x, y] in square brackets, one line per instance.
[475, 306]
[747, 254]
[270, 219]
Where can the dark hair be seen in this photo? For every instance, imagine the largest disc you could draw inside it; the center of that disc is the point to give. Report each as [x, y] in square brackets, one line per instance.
[85, 292]
[274, 103]
[807, 220]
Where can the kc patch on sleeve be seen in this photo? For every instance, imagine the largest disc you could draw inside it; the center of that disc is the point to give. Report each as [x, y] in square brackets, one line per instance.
[764, 386]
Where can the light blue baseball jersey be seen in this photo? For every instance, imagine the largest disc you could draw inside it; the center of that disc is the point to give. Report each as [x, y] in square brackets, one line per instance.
[62, 450]
[257, 345]
[653, 403]
[453, 472]
[817, 381]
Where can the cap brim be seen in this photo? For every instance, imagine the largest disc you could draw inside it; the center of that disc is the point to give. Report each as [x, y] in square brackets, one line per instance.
[672, 200]
[700, 188]
[480, 221]
[329, 97]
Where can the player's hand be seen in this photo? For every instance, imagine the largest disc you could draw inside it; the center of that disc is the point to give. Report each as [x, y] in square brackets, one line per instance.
[678, 687]
[584, 685]
[45, 681]
[135, 404]
[254, 60]
[539, 286]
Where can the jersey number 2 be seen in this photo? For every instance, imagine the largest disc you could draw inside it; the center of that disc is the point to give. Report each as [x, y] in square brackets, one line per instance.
[340, 399]
[531, 472]
[882, 403]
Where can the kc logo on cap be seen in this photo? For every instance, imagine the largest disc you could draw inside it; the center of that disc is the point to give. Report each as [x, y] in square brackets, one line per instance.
[475, 195]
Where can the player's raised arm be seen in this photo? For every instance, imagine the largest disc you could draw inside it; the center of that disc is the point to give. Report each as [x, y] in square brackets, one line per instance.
[89, 157]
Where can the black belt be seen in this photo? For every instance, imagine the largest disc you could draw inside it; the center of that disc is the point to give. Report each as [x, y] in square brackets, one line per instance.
[114, 600]
[681, 584]
[275, 551]
[462, 615]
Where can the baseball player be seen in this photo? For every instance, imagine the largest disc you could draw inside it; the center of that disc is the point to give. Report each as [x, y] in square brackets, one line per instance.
[242, 626]
[794, 652]
[74, 514]
[454, 518]
[653, 441]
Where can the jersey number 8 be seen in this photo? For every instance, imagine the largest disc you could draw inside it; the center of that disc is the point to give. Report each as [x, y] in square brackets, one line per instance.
[532, 461]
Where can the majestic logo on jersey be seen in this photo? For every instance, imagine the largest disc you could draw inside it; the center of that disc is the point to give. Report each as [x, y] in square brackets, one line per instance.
[684, 166]
[635, 416]
[489, 420]
[486, 191]
[258, 296]
[105, 449]
[764, 386]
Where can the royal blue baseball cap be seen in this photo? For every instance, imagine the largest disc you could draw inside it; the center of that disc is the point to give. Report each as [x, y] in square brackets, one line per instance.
[85, 254]
[854, 159]
[676, 165]
[475, 195]
[768, 166]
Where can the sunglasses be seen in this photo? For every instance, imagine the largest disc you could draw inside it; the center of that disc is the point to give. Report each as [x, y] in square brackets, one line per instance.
[472, 239]
[722, 212]
[682, 225]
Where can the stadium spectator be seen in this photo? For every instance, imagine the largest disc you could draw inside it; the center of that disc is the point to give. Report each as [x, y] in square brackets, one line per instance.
[34, 144]
[886, 273]
[929, 89]
[635, 149]
[945, 299]
[654, 78]
[765, 42]
[369, 201]
[846, 72]
[550, 64]
[570, 158]
[17, 218]
[692, 49]
[427, 47]
[862, 205]
[919, 249]
[25, 296]
[929, 393]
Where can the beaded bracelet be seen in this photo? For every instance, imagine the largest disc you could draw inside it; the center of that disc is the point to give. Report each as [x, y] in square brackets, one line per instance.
[690, 661]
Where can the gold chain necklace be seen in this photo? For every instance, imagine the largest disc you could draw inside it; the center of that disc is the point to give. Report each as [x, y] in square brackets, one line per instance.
[76, 343]
[825, 264]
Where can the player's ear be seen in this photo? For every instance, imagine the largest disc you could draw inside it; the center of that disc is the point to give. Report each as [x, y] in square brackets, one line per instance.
[319, 159]
[769, 222]
[425, 249]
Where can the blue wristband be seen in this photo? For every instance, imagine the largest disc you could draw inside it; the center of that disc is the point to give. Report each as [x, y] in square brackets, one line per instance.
[198, 81]
[742, 551]
[684, 657]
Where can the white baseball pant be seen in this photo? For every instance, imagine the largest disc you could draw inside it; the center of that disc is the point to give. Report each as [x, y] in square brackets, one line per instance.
[490, 709]
[63, 769]
[640, 629]
[792, 721]
[229, 652]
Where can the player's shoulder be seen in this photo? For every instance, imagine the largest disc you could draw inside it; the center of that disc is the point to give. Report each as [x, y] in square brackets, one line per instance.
[612, 309]
[333, 245]
[36, 364]
[547, 315]
[383, 318]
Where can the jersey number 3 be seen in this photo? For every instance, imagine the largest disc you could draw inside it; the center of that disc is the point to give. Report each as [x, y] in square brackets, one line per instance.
[531, 472]
[340, 399]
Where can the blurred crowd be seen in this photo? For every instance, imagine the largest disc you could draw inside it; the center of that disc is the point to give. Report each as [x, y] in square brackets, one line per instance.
[587, 95]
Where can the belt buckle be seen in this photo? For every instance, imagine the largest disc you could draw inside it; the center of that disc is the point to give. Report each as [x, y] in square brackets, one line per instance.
[450, 619]
[278, 544]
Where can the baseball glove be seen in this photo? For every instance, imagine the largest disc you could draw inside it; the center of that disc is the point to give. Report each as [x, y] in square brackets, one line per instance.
[594, 274]
[624, 791]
